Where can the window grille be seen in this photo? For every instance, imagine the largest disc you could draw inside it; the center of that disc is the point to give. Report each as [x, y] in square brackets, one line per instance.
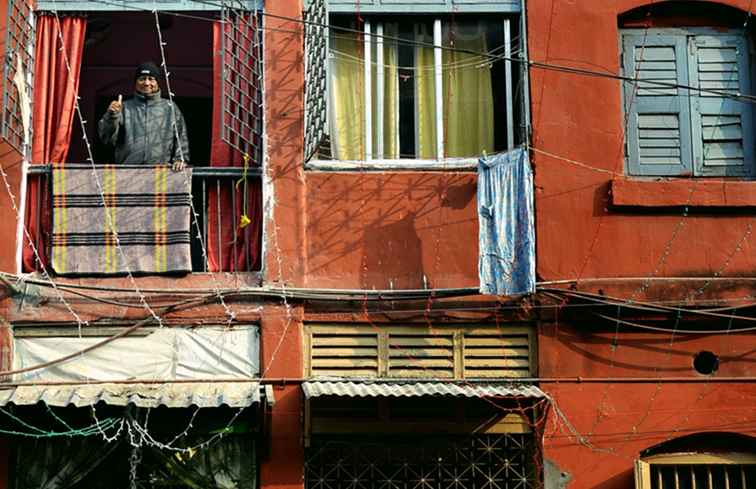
[19, 51]
[469, 462]
[703, 476]
[696, 470]
[242, 80]
[316, 63]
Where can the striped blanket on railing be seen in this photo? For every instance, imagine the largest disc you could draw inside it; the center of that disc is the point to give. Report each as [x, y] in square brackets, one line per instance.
[118, 219]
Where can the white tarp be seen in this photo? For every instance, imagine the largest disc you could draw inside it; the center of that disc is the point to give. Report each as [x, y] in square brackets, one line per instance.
[169, 353]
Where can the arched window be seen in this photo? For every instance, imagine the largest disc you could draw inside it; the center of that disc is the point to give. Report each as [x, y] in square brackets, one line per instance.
[700, 461]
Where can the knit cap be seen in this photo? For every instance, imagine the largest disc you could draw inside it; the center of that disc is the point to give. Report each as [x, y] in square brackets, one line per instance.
[147, 68]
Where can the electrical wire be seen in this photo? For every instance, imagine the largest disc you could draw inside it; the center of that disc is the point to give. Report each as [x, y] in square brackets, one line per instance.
[533, 64]
[675, 330]
[613, 301]
[110, 339]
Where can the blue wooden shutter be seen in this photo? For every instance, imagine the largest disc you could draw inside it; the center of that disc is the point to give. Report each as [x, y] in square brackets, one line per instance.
[658, 132]
[722, 127]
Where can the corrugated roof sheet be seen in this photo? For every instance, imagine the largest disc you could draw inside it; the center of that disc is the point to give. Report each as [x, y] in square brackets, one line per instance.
[205, 394]
[417, 389]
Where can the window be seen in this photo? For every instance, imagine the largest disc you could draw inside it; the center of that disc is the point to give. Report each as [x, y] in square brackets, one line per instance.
[674, 131]
[217, 86]
[697, 470]
[699, 461]
[426, 86]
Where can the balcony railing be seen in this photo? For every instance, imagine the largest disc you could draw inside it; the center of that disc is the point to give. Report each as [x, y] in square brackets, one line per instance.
[208, 186]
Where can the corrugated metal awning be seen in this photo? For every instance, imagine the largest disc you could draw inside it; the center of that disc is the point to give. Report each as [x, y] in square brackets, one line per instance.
[418, 389]
[184, 394]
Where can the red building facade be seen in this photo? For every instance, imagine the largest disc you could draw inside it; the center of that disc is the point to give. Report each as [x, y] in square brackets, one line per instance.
[376, 352]
[624, 238]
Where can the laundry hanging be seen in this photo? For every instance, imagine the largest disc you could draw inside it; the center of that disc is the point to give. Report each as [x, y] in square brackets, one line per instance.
[506, 262]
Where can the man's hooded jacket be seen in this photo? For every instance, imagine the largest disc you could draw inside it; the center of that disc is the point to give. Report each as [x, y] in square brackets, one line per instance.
[143, 132]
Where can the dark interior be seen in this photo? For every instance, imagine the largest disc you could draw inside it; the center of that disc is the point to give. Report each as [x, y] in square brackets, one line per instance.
[116, 43]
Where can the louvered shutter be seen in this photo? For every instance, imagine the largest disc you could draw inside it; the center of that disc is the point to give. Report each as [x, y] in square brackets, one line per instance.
[472, 351]
[722, 127]
[658, 117]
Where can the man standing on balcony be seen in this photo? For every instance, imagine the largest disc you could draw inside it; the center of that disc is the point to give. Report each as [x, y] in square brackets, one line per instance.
[146, 128]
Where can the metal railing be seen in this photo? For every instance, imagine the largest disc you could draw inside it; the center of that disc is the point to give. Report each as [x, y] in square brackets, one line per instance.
[205, 180]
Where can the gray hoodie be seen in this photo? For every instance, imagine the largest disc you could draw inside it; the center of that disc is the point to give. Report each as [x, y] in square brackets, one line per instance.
[143, 132]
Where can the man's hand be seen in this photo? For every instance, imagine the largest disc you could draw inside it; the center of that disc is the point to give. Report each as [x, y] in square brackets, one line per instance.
[116, 105]
[178, 165]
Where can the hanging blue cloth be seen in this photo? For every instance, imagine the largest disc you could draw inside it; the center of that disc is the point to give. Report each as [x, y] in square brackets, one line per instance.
[506, 263]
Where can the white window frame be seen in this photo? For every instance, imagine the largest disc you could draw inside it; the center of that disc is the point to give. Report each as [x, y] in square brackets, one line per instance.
[373, 159]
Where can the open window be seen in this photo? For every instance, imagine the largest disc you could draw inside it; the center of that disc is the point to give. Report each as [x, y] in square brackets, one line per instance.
[431, 86]
[217, 85]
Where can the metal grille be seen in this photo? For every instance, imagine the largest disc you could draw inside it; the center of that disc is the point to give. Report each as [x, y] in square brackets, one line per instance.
[316, 63]
[241, 45]
[471, 462]
[19, 47]
[703, 476]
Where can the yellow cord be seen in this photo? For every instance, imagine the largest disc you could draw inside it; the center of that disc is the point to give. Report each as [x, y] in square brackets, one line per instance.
[244, 219]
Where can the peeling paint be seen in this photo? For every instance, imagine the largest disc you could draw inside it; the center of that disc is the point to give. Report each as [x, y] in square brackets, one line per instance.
[554, 477]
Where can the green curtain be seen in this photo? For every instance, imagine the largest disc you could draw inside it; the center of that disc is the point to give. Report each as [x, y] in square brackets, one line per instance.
[347, 96]
[425, 95]
[468, 121]
[390, 122]
[468, 95]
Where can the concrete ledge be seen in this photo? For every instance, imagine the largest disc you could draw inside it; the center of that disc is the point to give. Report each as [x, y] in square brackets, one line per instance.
[675, 192]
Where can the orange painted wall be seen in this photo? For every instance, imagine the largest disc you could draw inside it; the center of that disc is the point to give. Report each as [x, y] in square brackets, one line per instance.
[12, 164]
[284, 235]
[616, 419]
[402, 230]
[284, 183]
[580, 118]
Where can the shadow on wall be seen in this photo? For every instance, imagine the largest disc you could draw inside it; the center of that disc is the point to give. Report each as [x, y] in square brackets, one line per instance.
[405, 231]
[395, 250]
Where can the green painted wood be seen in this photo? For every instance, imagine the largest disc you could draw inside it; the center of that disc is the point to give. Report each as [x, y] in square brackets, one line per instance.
[722, 127]
[658, 117]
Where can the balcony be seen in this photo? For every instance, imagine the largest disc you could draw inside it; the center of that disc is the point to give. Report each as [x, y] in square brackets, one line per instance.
[216, 191]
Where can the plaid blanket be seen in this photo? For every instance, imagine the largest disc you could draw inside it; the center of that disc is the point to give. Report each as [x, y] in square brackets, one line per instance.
[116, 219]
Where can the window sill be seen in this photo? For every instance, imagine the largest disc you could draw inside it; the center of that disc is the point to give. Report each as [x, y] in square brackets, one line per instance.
[675, 192]
[453, 164]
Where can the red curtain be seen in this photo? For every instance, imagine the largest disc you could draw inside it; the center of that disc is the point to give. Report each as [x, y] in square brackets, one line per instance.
[55, 91]
[224, 252]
